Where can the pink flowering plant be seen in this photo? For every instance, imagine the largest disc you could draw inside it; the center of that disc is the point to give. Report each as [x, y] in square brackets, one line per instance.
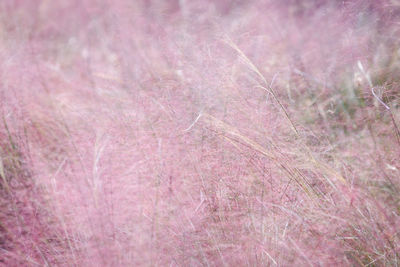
[200, 133]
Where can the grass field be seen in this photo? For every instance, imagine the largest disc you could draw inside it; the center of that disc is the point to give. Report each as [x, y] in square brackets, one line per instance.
[200, 133]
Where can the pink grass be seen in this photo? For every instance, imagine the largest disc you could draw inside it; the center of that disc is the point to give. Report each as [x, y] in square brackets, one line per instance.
[199, 133]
